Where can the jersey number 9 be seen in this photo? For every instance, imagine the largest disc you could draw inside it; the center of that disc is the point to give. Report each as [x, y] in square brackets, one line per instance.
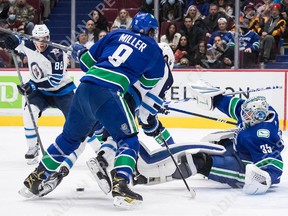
[120, 55]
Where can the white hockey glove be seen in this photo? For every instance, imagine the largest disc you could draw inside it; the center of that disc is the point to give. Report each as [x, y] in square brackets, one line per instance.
[257, 181]
[204, 92]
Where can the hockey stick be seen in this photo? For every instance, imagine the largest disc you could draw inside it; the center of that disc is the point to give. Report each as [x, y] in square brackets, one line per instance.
[28, 104]
[202, 116]
[29, 37]
[228, 93]
[254, 90]
[191, 191]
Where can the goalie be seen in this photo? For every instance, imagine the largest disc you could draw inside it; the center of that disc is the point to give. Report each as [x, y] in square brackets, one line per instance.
[253, 153]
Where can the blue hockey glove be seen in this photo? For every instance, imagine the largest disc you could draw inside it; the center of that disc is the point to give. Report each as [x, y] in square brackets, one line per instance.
[27, 88]
[12, 41]
[77, 51]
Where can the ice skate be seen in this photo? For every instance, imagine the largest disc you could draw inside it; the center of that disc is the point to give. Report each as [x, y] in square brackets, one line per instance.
[35, 185]
[123, 196]
[32, 155]
[98, 167]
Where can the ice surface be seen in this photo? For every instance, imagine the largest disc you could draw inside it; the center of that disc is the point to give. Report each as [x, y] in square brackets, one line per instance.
[171, 198]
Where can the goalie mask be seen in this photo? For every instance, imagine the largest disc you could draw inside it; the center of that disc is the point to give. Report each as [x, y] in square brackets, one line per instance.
[254, 111]
[168, 54]
[41, 31]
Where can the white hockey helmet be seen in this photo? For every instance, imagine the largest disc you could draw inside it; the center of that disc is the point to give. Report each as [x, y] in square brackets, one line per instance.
[254, 110]
[41, 30]
[167, 52]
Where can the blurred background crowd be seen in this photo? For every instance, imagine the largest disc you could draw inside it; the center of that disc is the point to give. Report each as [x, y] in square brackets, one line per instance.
[200, 32]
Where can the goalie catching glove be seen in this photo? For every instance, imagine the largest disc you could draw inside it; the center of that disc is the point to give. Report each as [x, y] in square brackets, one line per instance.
[203, 92]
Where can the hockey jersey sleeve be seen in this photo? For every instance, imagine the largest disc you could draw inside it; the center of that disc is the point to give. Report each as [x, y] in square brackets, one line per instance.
[231, 106]
[152, 101]
[154, 72]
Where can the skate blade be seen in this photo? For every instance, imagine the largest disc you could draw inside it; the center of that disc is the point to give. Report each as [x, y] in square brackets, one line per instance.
[95, 168]
[32, 161]
[25, 192]
[126, 202]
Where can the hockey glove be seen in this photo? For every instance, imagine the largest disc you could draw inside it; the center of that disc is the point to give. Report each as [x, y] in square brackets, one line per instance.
[152, 130]
[164, 110]
[12, 41]
[204, 92]
[257, 181]
[26, 88]
[77, 51]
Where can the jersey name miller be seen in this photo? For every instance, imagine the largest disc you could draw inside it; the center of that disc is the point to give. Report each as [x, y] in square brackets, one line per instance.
[133, 41]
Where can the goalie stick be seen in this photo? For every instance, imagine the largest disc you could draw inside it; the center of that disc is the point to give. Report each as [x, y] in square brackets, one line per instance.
[28, 104]
[199, 115]
[29, 37]
[191, 191]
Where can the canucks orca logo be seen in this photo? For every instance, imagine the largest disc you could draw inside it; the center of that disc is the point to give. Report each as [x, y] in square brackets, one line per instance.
[263, 133]
[36, 71]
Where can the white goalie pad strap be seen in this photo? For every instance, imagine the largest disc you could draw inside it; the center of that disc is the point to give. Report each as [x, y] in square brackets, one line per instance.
[191, 163]
[218, 136]
[257, 181]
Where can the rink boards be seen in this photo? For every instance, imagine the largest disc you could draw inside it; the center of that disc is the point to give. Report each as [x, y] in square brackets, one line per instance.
[11, 103]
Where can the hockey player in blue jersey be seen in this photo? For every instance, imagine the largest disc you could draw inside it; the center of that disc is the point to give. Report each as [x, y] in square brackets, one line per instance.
[145, 106]
[49, 84]
[112, 65]
[252, 159]
[253, 151]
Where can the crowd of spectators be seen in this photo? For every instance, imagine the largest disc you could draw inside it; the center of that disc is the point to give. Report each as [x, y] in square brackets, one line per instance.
[21, 16]
[200, 32]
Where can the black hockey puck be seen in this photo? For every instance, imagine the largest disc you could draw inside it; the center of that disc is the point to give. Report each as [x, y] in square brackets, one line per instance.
[79, 189]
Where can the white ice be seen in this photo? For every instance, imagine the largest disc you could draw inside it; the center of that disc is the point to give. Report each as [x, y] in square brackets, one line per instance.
[170, 198]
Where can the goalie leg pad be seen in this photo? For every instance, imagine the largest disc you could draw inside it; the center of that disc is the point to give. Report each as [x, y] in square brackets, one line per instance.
[257, 181]
[156, 172]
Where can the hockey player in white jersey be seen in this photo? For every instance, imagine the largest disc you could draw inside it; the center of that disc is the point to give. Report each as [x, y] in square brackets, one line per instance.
[49, 84]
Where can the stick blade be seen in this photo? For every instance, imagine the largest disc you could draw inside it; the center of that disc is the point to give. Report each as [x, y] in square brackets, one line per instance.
[192, 193]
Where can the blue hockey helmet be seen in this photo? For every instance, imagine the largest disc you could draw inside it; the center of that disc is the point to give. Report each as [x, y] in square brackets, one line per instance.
[144, 22]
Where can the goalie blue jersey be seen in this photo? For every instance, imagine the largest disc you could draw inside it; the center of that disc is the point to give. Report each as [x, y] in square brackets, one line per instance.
[260, 144]
[48, 69]
[121, 58]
